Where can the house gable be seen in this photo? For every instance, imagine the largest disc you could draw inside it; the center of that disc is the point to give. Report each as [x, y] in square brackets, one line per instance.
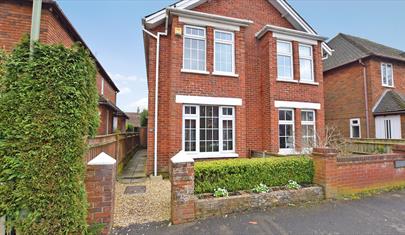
[214, 6]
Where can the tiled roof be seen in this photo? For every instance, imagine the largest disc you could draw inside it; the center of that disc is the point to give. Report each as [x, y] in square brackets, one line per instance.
[118, 112]
[349, 48]
[390, 102]
[134, 119]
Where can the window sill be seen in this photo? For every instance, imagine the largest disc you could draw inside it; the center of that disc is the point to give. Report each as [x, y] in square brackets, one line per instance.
[386, 86]
[286, 151]
[212, 155]
[225, 74]
[310, 83]
[194, 71]
[285, 80]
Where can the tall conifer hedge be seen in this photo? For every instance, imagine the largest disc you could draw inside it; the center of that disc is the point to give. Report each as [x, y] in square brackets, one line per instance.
[48, 106]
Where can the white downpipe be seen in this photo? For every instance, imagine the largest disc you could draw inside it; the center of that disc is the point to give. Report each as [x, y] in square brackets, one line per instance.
[157, 37]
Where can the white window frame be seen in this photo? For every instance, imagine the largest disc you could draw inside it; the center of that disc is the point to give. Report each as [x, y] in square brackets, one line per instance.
[310, 58]
[382, 74]
[198, 38]
[233, 52]
[353, 125]
[283, 122]
[196, 117]
[221, 117]
[286, 54]
[309, 122]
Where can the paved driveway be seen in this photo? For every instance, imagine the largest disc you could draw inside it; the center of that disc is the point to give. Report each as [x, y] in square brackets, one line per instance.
[380, 214]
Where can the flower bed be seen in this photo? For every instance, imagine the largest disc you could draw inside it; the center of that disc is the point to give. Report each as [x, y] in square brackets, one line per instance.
[278, 196]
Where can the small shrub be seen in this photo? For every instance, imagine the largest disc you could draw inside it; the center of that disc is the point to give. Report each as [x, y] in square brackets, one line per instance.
[241, 174]
[261, 188]
[293, 185]
[221, 192]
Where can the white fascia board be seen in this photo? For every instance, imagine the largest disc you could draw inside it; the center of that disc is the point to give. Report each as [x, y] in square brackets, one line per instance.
[209, 17]
[185, 99]
[294, 38]
[203, 23]
[296, 105]
[288, 32]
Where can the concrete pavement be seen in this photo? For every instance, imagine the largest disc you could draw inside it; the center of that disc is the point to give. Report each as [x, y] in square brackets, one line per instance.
[379, 214]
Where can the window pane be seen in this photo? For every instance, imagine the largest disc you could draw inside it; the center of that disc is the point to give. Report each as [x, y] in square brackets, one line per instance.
[223, 36]
[284, 69]
[283, 47]
[209, 129]
[356, 131]
[306, 70]
[223, 57]
[288, 115]
[305, 51]
[194, 54]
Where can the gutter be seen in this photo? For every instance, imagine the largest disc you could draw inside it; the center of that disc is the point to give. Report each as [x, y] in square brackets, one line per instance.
[157, 37]
[365, 97]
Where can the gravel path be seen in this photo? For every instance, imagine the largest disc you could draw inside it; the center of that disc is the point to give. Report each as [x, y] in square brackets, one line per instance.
[151, 206]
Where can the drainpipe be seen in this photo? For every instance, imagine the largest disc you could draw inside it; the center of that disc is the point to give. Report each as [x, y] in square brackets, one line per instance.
[157, 37]
[365, 97]
[35, 23]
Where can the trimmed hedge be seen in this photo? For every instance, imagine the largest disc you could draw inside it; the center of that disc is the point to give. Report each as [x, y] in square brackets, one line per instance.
[49, 107]
[245, 174]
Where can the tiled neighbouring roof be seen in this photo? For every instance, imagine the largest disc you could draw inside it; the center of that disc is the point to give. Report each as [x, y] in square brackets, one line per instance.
[104, 101]
[390, 102]
[349, 48]
[134, 119]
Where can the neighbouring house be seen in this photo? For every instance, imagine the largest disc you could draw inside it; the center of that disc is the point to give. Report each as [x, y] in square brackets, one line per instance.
[134, 119]
[15, 22]
[365, 88]
[229, 76]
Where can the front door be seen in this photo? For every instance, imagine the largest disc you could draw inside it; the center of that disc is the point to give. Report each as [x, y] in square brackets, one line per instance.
[388, 127]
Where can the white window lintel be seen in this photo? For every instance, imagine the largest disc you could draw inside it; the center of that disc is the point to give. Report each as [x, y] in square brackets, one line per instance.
[296, 104]
[186, 99]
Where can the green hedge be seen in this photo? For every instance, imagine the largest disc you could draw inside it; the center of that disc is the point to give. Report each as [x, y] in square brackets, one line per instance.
[49, 107]
[245, 174]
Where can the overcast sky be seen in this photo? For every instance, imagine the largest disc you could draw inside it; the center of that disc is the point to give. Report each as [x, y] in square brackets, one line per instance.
[112, 29]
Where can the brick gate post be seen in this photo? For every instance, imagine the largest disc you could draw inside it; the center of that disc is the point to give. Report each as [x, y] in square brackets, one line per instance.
[182, 189]
[325, 163]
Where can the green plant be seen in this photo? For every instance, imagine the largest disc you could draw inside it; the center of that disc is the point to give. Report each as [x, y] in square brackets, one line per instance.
[221, 192]
[293, 185]
[130, 127]
[143, 117]
[49, 104]
[261, 188]
[241, 174]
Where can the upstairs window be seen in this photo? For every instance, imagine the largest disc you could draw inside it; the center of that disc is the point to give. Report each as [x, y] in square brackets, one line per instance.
[355, 128]
[194, 54]
[224, 54]
[284, 60]
[306, 63]
[387, 75]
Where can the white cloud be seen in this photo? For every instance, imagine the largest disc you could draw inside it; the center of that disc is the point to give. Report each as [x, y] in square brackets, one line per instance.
[120, 78]
[141, 103]
[125, 90]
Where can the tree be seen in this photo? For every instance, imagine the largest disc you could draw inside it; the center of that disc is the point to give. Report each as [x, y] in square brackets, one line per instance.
[143, 117]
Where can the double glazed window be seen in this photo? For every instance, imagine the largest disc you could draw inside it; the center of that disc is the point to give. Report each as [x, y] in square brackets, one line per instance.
[194, 48]
[284, 60]
[387, 75]
[308, 128]
[224, 52]
[208, 128]
[355, 128]
[286, 128]
[306, 63]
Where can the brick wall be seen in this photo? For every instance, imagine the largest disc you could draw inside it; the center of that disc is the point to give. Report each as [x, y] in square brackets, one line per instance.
[360, 173]
[257, 119]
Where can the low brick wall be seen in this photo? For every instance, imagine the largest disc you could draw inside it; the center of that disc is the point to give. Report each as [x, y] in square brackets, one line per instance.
[359, 173]
[221, 206]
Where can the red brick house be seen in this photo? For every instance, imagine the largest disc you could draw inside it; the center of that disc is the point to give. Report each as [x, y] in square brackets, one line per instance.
[365, 88]
[232, 76]
[15, 22]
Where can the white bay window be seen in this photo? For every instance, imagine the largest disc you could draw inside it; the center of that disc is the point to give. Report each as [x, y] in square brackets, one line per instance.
[286, 130]
[194, 49]
[308, 128]
[208, 129]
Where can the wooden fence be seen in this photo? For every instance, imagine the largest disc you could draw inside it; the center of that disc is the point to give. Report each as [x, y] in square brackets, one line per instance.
[367, 146]
[119, 146]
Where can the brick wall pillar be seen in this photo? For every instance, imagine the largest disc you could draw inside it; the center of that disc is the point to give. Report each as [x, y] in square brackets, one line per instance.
[100, 184]
[325, 170]
[182, 191]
